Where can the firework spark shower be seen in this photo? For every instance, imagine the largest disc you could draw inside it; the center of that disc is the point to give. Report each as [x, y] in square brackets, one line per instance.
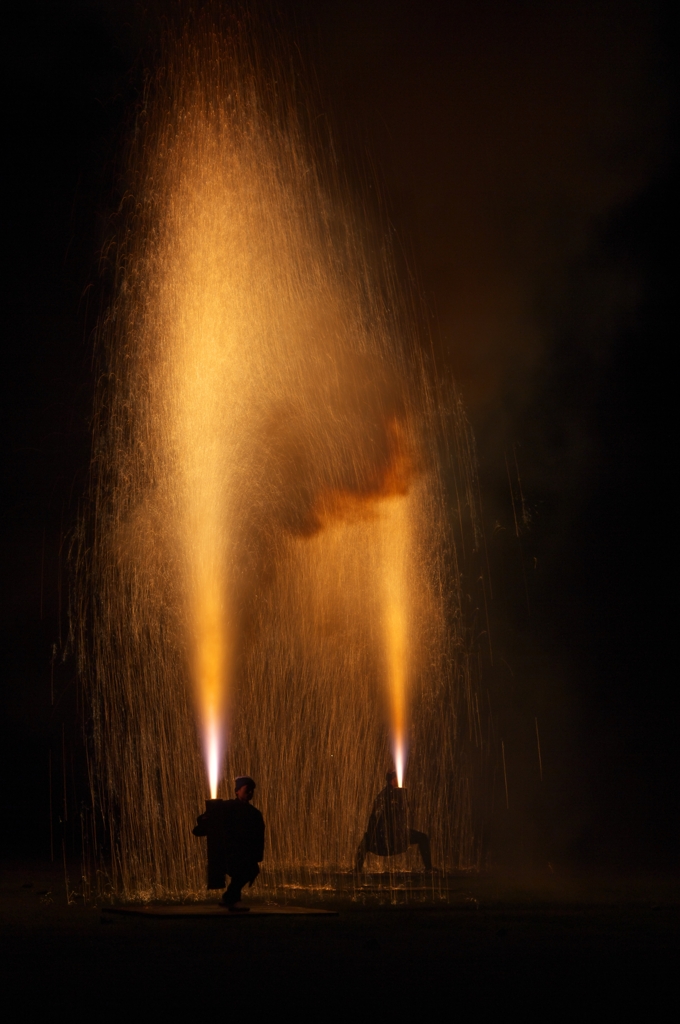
[268, 582]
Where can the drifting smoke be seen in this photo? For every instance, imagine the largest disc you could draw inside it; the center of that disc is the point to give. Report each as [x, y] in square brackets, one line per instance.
[265, 552]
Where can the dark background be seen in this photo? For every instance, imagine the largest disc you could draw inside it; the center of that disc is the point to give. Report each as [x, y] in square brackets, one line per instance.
[527, 162]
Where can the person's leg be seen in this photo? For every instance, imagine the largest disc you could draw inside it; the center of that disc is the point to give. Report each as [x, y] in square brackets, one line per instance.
[233, 891]
[423, 843]
[361, 855]
[240, 874]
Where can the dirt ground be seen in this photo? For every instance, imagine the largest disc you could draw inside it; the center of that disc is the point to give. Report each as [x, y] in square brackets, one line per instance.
[558, 947]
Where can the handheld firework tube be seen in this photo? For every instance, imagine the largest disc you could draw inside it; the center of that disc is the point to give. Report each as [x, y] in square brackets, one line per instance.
[217, 867]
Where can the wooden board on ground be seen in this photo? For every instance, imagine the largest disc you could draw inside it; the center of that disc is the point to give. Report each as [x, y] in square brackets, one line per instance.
[212, 910]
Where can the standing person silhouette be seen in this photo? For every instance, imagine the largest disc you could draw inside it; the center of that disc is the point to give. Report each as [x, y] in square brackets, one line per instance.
[242, 842]
[388, 831]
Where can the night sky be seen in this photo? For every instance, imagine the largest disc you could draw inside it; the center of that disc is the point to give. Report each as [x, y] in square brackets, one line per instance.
[525, 161]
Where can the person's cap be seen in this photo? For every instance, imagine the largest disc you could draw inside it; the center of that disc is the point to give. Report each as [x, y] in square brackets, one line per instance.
[244, 780]
[390, 775]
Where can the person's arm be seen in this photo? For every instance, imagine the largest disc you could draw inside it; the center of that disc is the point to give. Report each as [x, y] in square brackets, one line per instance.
[201, 826]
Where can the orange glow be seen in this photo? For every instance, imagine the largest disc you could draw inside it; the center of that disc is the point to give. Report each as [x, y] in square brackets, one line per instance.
[387, 479]
[269, 573]
[210, 678]
[396, 554]
[385, 505]
[202, 416]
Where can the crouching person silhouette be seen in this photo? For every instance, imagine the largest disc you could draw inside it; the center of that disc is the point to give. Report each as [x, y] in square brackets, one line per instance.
[235, 831]
[388, 831]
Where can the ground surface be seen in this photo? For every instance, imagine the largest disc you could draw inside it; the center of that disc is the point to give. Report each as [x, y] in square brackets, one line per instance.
[553, 947]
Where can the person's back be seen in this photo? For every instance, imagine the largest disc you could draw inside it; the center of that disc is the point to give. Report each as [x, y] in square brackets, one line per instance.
[243, 832]
[241, 841]
[388, 825]
[389, 830]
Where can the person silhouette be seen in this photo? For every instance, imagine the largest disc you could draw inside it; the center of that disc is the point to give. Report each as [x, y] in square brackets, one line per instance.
[388, 831]
[241, 842]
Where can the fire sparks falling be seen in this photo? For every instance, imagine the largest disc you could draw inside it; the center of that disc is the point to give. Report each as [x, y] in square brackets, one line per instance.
[259, 523]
